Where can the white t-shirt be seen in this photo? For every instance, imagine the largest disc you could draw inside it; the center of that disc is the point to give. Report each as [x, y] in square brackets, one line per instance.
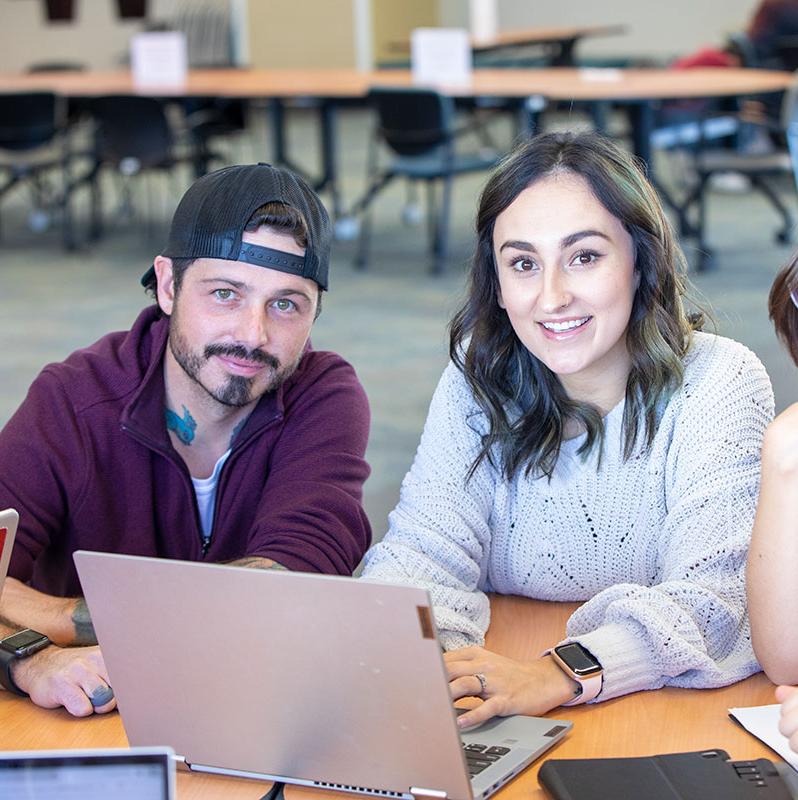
[205, 490]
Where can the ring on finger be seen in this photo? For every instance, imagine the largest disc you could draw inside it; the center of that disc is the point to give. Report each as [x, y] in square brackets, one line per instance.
[483, 682]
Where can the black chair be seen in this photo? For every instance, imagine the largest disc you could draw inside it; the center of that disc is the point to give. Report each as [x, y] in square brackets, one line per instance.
[34, 150]
[417, 127]
[762, 169]
[211, 119]
[132, 136]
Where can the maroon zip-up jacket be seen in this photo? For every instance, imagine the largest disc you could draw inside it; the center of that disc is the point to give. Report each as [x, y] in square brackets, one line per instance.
[88, 463]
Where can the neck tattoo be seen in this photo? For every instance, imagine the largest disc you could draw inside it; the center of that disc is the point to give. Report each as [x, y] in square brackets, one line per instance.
[183, 427]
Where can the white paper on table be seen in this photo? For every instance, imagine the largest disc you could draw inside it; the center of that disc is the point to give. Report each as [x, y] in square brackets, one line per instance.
[440, 56]
[159, 58]
[763, 722]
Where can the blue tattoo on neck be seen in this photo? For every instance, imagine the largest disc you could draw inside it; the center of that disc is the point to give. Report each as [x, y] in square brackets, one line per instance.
[183, 428]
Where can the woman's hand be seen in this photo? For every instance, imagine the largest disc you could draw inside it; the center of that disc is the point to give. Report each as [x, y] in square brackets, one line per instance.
[510, 687]
[788, 697]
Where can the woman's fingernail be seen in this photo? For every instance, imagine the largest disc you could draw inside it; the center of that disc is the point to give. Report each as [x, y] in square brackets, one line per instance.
[463, 721]
[101, 695]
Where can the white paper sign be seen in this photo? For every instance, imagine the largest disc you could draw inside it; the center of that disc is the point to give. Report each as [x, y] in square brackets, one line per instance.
[440, 56]
[484, 19]
[159, 58]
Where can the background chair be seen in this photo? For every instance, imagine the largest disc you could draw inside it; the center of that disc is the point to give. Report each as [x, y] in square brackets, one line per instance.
[132, 136]
[417, 128]
[762, 169]
[34, 150]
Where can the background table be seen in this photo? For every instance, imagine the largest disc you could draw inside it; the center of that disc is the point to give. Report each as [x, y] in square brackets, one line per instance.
[667, 720]
[638, 90]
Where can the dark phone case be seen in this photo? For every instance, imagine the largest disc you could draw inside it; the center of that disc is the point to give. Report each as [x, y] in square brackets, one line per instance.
[678, 776]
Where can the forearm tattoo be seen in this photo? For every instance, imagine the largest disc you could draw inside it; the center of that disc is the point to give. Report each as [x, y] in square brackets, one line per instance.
[84, 630]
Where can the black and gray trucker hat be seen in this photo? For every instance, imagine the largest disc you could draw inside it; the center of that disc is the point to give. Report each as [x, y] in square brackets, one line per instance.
[211, 217]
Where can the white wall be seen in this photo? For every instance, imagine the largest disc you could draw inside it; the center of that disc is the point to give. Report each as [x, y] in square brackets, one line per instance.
[96, 37]
[658, 29]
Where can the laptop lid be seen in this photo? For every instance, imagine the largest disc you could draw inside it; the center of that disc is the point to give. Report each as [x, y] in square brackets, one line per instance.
[312, 679]
[134, 774]
[8, 530]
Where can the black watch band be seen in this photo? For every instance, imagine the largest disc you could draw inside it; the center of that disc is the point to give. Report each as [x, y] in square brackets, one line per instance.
[7, 660]
[14, 648]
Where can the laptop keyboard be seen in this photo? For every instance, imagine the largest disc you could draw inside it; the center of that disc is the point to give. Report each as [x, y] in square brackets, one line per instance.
[479, 757]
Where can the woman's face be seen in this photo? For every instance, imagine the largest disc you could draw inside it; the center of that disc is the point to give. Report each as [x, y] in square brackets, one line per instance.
[567, 281]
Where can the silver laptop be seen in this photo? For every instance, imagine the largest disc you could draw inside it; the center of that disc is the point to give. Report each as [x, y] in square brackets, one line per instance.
[134, 774]
[8, 530]
[307, 679]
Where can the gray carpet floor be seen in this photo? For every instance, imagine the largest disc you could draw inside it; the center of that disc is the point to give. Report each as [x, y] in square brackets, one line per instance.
[389, 321]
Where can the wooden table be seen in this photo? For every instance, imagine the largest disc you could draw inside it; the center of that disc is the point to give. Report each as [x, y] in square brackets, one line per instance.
[560, 41]
[667, 720]
[638, 89]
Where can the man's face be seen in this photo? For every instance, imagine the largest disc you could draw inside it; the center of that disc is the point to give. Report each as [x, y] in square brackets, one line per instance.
[238, 330]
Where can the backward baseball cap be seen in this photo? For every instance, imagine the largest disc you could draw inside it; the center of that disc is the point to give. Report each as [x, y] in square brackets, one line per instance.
[212, 215]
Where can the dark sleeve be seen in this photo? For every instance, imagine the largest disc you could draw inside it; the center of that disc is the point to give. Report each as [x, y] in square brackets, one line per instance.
[42, 469]
[310, 517]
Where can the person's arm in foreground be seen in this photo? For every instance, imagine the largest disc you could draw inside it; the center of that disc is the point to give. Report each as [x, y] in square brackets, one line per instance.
[773, 558]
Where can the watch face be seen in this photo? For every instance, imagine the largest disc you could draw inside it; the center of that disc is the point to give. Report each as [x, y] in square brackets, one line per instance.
[18, 643]
[578, 659]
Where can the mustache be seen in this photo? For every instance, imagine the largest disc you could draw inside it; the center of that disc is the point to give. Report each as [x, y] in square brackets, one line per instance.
[241, 352]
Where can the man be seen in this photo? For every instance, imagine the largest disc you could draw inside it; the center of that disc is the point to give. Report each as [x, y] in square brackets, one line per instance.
[210, 431]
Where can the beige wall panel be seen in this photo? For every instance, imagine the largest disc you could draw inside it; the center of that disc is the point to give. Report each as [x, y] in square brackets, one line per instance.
[392, 22]
[303, 33]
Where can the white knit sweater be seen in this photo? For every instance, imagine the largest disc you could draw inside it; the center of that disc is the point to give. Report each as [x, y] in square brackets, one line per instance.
[656, 544]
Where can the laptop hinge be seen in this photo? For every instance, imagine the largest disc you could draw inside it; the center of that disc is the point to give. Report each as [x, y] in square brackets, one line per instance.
[180, 762]
[427, 794]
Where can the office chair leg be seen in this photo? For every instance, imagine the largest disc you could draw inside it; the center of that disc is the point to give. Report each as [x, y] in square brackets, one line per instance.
[95, 200]
[699, 229]
[363, 206]
[784, 236]
[432, 218]
[442, 228]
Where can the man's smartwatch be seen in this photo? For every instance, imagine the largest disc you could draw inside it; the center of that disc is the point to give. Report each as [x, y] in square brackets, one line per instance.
[579, 664]
[14, 648]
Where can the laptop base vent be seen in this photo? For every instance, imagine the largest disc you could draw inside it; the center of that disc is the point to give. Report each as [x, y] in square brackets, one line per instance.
[342, 787]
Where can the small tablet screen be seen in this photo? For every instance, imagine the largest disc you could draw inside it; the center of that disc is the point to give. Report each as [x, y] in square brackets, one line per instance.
[85, 776]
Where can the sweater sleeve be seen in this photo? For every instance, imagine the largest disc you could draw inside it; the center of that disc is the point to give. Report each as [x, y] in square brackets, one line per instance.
[310, 516]
[689, 627]
[43, 469]
[439, 535]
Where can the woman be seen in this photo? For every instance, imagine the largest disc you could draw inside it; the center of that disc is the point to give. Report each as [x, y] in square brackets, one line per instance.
[584, 444]
[773, 559]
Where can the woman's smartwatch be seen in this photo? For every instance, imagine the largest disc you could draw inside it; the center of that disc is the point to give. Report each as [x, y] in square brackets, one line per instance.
[579, 664]
[14, 648]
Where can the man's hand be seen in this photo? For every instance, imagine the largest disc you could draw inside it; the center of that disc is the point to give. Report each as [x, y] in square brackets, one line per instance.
[788, 697]
[73, 677]
[510, 687]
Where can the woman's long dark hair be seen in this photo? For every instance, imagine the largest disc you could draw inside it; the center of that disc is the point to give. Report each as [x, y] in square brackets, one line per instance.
[526, 405]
